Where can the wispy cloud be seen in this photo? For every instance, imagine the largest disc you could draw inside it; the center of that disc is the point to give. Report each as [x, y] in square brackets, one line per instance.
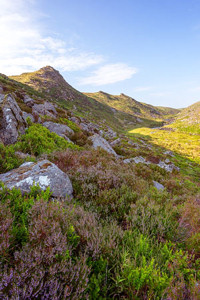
[24, 47]
[109, 73]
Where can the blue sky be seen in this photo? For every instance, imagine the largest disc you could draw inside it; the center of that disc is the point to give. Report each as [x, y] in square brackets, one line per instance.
[147, 49]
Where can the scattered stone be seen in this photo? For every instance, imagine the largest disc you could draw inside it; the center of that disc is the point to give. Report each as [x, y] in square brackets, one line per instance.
[168, 167]
[140, 159]
[60, 129]
[75, 120]
[88, 126]
[44, 173]
[128, 160]
[170, 153]
[158, 185]
[98, 141]
[167, 129]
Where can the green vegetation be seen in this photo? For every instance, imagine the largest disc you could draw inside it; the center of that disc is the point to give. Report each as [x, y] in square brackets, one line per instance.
[8, 158]
[185, 147]
[38, 140]
[119, 236]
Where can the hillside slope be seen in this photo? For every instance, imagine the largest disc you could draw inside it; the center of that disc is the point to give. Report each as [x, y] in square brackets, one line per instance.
[113, 216]
[188, 120]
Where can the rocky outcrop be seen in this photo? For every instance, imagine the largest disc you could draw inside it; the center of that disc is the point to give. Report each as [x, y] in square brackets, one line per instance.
[27, 115]
[28, 101]
[88, 126]
[45, 109]
[44, 173]
[108, 133]
[60, 129]
[98, 141]
[11, 120]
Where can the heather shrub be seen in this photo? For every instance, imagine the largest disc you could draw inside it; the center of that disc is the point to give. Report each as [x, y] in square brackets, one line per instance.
[18, 206]
[46, 267]
[79, 138]
[157, 219]
[38, 140]
[190, 221]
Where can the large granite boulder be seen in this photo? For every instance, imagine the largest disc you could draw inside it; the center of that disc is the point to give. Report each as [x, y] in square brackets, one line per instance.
[45, 109]
[44, 173]
[98, 141]
[12, 122]
[60, 129]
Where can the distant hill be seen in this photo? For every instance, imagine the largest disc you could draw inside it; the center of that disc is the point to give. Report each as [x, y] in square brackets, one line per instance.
[129, 105]
[188, 120]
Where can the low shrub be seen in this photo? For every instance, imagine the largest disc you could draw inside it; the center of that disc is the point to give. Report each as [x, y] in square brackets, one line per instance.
[8, 159]
[38, 140]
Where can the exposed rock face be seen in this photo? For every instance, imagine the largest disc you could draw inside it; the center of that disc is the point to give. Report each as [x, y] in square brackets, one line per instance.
[44, 109]
[27, 115]
[60, 129]
[11, 120]
[98, 141]
[88, 126]
[158, 185]
[28, 101]
[44, 173]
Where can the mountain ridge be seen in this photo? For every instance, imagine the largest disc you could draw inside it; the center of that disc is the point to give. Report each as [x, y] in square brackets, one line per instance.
[95, 106]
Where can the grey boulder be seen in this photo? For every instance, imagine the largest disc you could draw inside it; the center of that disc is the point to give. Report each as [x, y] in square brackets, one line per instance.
[46, 108]
[44, 173]
[98, 141]
[60, 129]
[158, 185]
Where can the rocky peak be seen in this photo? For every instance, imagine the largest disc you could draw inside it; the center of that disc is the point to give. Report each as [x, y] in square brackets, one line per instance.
[49, 72]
